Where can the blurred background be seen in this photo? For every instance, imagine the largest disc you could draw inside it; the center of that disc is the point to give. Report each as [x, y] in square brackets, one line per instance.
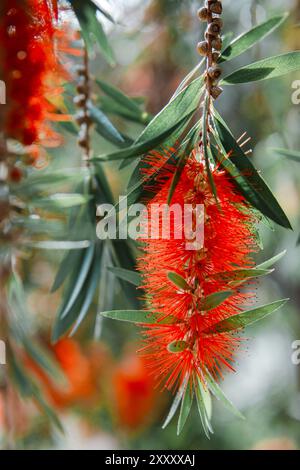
[110, 401]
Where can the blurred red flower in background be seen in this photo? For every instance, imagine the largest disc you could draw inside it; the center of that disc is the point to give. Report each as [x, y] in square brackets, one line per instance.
[92, 375]
[135, 395]
[29, 38]
[81, 383]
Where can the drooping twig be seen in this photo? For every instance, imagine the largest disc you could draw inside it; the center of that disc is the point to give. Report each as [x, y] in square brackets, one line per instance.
[210, 48]
[82, 101]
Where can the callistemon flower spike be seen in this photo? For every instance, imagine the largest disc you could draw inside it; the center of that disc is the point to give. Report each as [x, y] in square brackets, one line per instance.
[197, 280]
[30, 38]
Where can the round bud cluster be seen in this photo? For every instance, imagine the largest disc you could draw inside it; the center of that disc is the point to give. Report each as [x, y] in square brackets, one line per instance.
[81, 101]
[211, 47]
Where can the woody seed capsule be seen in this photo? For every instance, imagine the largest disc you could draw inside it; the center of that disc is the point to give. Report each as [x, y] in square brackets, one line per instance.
[203, 14]
[82, 118]
[83, 139]
[215, 57]
[83, 142]
[218, 22]
[216, 92]
[213, 29]
[216, 7]
[202, 48]
[80, 101]
[215, 72]
[81, 88]
[217, 44]
[80, 70]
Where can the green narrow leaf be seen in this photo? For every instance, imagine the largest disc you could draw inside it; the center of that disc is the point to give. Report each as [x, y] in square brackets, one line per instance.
[219, 394]
[246, 40]
[120, 97]
[204, 407]
[206, 396]
[81, 278]
[178, 281]
[238, 275]
[137, 188]
[179, 107]
[91, 288]
[30, 390]
[138, 316]
[43, 180]
[61, 326]
[60, 245]
[104, 12]
[214, 300]
[171, 146]
[110, 106]
[186, 405]
[130, 276]
[175, 405]
[42, 357]
[86, 13]
[105, 127]
[264, 69]
[69, 127]
[291, 154]
[251, 184]
[188, 78]
[226, 40]
[67, 264]
[270, 262]
[184, 152]
[60, 201]
[138, 149]
[123, 257]
[206, 148]
[246, 318]
[36, 225]
[176, 178]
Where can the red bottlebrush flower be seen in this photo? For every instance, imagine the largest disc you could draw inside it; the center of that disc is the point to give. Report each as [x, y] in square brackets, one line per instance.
[229, 240]
[29, 68]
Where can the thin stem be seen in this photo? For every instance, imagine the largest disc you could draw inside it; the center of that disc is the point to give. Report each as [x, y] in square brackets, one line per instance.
[210, 49]
[87, 86]
[82, 101]
[209, 60]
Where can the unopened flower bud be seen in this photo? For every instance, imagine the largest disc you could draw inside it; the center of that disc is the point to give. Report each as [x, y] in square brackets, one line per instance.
[202, 48]
[203, 14]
